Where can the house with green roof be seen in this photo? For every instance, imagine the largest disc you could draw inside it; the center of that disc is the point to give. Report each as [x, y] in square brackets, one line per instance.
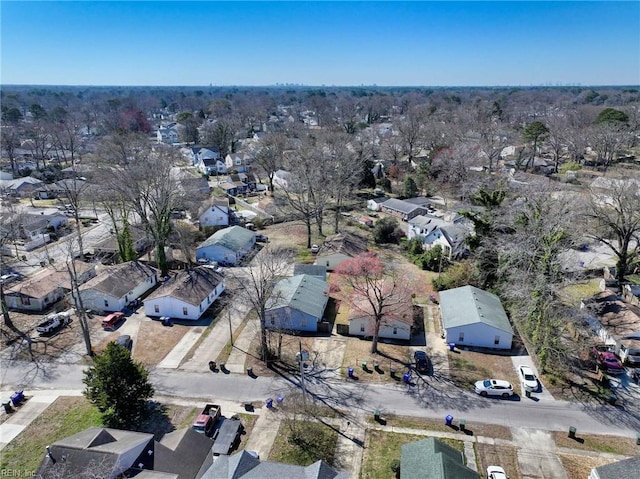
[297, 303]
[432, 459]
[227, 246]
[473, 317]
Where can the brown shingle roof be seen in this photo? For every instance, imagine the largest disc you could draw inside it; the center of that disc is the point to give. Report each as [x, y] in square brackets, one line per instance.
[191, 286]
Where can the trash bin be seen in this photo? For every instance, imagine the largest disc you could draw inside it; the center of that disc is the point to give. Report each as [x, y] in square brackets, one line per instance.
[7, 407]
[448, 420]
[17, 397]
[452, 346]
[212, 365]
[376, 415]
[572, 432]
[222, 365]
[364, 365]
[250, 371]
[350, 372]
[269, 403]
[406, 377]
[279, 400]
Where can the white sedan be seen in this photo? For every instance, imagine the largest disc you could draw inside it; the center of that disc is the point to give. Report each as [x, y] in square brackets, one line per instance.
[496, 472]
[528, 378]
[493, 387]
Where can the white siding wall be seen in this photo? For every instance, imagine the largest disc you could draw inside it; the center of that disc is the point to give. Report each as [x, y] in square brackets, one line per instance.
[215, 216]
[216, 253]
[287, 318]
[401, 330]
[175, 308]
[95, 300]
[479, 335]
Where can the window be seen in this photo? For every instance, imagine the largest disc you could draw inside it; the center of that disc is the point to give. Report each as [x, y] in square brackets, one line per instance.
[185, 311]
[461, 337]
[303, 323]
[496, 340]
[156, 308]
[25, 300]
[106, 303]
[395, 330]
[362, 328]
[272, 320]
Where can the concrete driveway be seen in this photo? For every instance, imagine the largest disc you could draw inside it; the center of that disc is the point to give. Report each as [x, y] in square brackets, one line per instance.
[542, 394]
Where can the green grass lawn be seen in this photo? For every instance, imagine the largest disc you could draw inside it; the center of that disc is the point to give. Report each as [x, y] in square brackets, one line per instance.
[584, 289]
[65, 417]
[304, 443]
[382, 448]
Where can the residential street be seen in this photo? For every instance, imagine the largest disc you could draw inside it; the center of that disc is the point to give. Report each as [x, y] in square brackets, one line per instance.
[420, 400]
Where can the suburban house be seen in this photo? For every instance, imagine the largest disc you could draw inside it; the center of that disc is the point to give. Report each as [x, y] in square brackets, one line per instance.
[339, 248]
[33, 227]
[473, 317]
[168, 133]
[22, 187]
[227, 246]
[114, 453]
[108, 247]
[297, 303]
[624, 469]
[46, 287]
[187, 295]
[116, 286]
[396, 323]
[215, 212]
[317, 270]
[238, 161]
[373, 204]
[236, 179]
[617, 324]
[404, 209]
[282, 179]
[437, 231]
[243, 465]
[208, 160]
[433, 459]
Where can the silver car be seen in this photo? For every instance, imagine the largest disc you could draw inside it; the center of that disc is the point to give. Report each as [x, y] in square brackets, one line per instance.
[493, 387]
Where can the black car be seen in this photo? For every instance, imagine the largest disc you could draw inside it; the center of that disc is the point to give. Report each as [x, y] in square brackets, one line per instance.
[260, 238]
[422, 361]
[125, 341]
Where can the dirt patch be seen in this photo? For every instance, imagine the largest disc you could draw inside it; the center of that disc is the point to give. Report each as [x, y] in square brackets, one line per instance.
[467, 367]
[499, 455]
[155, 341]
[591, 442]
[389, 357]
[472, 428]
[580, 466]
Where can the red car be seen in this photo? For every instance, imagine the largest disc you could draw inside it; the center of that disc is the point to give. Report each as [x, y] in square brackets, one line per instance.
[608, 361]
[111, 322]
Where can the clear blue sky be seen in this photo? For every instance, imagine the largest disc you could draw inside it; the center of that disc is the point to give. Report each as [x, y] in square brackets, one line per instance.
[320, 43]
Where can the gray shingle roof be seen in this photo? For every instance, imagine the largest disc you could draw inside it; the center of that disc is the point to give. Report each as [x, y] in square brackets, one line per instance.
[468, 305]
[191, 286]
[234, 238]
[432, 459]
[625, 469]
[400, 206]
[317, 270]
[303, 293]
[118, 280]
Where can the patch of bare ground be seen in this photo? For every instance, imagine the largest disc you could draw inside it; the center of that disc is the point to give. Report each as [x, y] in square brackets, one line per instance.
[580, 466]
[624, 446]
[389, 357]
[154, 341]
[467, 367]
[499, 455]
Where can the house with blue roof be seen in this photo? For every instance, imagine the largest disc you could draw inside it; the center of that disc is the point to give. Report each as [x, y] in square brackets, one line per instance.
[297, 303]
[227, 246]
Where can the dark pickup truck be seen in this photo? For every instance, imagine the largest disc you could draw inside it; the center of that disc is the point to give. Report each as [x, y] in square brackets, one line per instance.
[207, 419]
[227, 436]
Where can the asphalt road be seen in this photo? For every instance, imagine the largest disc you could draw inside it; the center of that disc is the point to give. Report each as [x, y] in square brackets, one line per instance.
[428, 399]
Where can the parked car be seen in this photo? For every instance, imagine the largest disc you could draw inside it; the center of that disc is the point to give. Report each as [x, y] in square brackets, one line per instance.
[112, 321]
[422, 361]
[53, 323]
[260, 238]
[608, 360]
[496, 472]
[205, 421]
[527, 378]
[315, 248]
[9, 278]
[125, 341]
[493, 387]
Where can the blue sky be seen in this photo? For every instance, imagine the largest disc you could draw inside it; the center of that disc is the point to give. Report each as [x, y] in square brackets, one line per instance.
[320, 43]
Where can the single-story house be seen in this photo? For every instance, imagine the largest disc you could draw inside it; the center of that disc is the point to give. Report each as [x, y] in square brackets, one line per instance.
[624, 469]
[46, 287]
[244, 465]
[404, 209]
[373, 204]
[282, 178]
[339, 248]
[433, 459]
[227, 246]
[473, 317]
[317, 270]
[396, 324]
[215, 212]
[109, 245]
[34, 226]
[116, 286]
[186, 295]
[22, 187]
[297, 303]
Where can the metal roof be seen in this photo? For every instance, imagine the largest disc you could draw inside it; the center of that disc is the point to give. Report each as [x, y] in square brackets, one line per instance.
[469, 305]
[303, 293]
[234, 238]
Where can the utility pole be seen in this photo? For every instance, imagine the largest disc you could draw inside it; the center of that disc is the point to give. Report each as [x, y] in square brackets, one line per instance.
[230, 326]
[302, 385]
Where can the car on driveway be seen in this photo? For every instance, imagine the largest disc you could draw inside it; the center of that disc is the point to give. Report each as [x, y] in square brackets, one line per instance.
[608, 360]
[315, 248]
[493, 387]
[422, 361]
[260, 238]
[496, 472]
[53, 323]
[528, 378]
[125, 341]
